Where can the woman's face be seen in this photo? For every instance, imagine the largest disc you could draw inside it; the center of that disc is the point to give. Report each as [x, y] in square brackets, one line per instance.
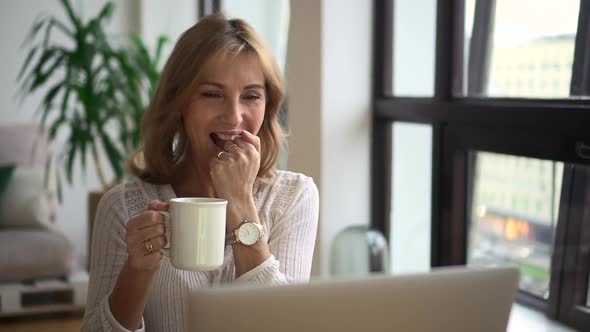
[230, 98]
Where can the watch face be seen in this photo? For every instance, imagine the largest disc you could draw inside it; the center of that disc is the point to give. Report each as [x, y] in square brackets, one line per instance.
[249, 233]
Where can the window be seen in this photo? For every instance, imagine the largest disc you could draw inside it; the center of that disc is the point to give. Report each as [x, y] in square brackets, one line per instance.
[507, 114]
[411, 192]
[414, 41]
[269, 17]
[519, 235]
[516, 41]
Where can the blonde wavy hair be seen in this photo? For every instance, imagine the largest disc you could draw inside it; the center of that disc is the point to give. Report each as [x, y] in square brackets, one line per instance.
[164, 142]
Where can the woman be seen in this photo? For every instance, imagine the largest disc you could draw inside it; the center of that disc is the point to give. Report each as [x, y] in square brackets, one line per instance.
[211, 131]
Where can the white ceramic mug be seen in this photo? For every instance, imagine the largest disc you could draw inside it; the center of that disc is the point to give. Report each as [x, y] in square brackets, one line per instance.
[197, 233]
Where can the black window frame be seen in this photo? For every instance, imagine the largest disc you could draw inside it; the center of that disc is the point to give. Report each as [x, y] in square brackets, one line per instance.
[555, 129]
[208, 7]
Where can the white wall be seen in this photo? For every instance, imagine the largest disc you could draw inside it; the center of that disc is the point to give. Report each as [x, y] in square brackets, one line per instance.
[157, 17]
[304, 90]
[329, 71]
[154, 16]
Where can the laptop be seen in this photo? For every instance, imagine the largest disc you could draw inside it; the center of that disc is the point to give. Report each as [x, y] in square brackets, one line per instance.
[450, 299]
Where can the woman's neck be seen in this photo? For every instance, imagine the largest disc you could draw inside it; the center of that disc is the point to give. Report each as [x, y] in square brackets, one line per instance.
[194, 181]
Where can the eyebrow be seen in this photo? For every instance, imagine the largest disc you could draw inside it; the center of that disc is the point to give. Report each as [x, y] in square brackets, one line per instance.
[221, 86]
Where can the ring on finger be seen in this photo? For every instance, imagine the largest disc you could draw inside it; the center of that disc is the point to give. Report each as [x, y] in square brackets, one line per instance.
[219, 154]
[149, 247]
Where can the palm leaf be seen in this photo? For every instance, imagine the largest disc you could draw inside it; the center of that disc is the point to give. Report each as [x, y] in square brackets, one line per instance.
[70, 11]
[38, 76]
[144, 55]
[53, 22]
[103, 86]
[106, 12]
[162, 40]
[47, 105]
[62, 27]
[83, 143]
[27, 62]
[37, 26]
[60, 195]
[56, 125]
[68, 85]
[53, 91]
[73, 143]
[46, 172]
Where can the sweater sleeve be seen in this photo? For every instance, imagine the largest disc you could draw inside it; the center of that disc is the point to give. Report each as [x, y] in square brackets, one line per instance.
[291, 240]
[109, 253]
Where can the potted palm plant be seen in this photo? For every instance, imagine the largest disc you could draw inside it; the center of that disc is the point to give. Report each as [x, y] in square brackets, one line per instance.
[96, 91]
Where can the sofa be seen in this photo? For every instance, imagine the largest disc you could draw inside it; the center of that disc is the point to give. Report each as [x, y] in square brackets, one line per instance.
[33, 245]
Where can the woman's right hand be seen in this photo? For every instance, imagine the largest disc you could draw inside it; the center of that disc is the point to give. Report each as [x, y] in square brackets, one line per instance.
[146, 227]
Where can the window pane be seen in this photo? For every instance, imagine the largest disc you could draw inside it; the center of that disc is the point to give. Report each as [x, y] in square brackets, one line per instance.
[530, 48]
[414, 47]
[411, 195]
[514, 209]
[270, 18]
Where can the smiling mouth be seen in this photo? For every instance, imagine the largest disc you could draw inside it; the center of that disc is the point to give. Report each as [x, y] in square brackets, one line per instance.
[221, 140]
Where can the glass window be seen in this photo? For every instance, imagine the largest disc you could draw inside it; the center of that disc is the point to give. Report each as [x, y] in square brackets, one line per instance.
[270, 18]
[414, 47]
[530, 48]
[410, 234]
[516, 234]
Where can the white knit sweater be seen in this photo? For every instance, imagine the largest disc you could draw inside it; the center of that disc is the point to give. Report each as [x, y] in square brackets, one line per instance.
[288, 209]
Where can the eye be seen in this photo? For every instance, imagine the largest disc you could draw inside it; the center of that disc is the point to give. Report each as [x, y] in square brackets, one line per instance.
[252, 97]
[210, 94]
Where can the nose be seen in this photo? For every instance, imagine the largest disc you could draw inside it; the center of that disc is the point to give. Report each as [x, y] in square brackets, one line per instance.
[233, 112]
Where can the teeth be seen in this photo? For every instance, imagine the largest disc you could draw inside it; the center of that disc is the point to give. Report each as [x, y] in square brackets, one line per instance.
[226, 137]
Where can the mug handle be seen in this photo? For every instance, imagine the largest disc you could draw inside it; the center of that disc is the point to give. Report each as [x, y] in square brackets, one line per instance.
[166, 250]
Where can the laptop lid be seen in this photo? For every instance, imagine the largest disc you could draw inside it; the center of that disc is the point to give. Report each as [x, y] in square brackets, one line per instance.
[450, 299]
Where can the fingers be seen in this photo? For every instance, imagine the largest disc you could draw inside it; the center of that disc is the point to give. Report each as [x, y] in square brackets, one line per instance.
[246, 141]
[151, 232]
[145, 219]
[243, 144]
[155, 235]
[155, 243]
[222, 154]
[146, 226]
[146, 235]
[228, 146]
[158, 205]
[249, 138]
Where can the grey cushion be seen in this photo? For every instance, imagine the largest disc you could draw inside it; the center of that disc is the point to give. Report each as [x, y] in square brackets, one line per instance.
[26, 203]
[34, 254]
[24, 145]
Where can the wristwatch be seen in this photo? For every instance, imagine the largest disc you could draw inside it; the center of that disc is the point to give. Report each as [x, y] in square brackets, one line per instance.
[248, 233]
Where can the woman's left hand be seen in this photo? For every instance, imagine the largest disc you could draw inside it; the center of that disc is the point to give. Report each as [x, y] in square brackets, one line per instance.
[234, 172]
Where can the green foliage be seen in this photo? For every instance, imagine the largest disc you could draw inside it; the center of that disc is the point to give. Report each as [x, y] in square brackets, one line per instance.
[5, 175]
[96, 92]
